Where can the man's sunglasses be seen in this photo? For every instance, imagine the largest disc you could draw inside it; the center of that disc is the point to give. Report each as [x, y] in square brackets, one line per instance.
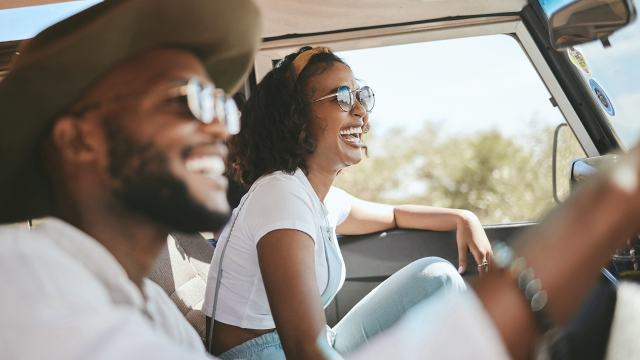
[347, 98]
[205, 102]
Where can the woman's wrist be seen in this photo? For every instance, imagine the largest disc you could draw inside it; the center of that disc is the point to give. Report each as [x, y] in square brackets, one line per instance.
[470, 224]
[466, 217]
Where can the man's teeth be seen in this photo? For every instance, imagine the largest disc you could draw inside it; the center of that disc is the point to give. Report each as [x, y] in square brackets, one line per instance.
[208, 165]
[351, 131]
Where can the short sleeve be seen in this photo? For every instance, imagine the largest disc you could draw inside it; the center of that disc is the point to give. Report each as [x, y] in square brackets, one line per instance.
[338, 203]
[279, 203]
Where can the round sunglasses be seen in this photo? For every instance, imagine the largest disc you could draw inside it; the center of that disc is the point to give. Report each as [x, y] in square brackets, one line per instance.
[206, 103]
[347, 98]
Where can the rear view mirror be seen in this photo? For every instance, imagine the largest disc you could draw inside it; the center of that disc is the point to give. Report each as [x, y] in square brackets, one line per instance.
[579, 21]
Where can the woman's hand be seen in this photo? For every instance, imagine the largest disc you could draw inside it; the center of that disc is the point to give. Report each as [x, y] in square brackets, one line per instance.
[470, 235]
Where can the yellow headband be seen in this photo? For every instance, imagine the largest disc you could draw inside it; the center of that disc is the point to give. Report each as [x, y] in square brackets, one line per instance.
[302, 60]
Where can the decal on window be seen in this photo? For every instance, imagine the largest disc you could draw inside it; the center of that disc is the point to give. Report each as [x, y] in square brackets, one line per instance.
[602, 97]
[579, 60]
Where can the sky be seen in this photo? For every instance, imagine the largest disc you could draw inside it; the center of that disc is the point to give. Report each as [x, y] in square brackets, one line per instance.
[461, 85]
[25, 22]
[549, 6]
[487, 83]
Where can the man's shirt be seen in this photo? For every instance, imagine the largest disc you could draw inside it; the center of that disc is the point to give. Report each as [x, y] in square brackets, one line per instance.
[65, 296]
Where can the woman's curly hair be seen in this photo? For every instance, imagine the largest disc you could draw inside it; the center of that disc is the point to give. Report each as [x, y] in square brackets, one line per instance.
[275, 119]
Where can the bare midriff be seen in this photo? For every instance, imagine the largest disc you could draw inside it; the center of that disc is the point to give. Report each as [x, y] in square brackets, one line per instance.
[227, 336]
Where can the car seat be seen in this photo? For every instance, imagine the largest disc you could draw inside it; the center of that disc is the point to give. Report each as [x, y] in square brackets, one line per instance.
[181, 270]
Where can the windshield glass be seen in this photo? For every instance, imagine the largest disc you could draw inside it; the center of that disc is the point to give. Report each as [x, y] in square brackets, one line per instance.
[613, 75]
[26, 22]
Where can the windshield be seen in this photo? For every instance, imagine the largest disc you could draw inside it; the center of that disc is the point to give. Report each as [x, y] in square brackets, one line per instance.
[613, 75]
[25, 22]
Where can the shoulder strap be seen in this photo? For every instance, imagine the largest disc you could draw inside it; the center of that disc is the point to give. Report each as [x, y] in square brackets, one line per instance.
[219, 277]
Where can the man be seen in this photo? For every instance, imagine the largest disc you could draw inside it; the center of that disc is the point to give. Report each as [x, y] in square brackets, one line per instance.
[112, 130]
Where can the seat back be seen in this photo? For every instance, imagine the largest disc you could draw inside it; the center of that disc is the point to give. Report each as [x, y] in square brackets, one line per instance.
[181, 270]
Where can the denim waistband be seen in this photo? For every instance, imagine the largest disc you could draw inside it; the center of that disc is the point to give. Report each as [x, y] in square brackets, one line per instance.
[263, 347]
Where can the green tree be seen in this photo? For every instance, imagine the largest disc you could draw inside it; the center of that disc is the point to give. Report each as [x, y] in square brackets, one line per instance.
[502, 179]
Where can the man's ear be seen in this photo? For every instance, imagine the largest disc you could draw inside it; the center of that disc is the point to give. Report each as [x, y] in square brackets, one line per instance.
[76, 140]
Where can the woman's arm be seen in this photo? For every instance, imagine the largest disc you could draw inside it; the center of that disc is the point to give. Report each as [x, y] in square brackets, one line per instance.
[287, 265]
[368, 217]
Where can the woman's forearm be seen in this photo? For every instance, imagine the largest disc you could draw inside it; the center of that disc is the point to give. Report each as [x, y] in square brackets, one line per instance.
[430, 218]
[367, 217]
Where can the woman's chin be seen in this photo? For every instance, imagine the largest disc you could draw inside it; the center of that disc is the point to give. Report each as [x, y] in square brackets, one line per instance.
[352, 159]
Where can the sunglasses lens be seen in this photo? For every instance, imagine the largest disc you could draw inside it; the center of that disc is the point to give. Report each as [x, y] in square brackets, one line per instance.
[344, 97]
[232, 116]
[366, 98]
[205, 101]
[200, 101]
[193, 98]
[208, 103]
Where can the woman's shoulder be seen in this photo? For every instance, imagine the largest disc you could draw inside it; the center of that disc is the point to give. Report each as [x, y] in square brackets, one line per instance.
[278, 201]
[280, 183]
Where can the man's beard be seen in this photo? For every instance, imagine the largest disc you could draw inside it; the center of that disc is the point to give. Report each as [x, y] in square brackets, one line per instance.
[147, 186]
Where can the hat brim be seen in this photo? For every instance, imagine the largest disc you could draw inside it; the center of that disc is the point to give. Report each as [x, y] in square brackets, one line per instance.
[57, 65]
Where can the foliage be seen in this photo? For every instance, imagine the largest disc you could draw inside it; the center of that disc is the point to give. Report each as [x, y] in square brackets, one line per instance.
[500, 178]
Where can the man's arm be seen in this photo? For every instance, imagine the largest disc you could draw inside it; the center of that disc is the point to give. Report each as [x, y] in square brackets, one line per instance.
[566, 252]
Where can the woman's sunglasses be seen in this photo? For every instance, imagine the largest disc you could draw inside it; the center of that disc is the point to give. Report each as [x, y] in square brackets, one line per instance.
[347, 98]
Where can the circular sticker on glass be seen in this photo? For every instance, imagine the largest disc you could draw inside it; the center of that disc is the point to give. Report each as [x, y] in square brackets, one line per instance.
[578, 59]
[602, 97]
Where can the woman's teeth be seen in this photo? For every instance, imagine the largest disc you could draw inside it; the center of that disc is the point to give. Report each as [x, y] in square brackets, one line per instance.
[210, 165]
[351, 131]
[352, 135]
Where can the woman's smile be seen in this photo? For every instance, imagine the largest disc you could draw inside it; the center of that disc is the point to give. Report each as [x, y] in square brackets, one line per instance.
[352, 135]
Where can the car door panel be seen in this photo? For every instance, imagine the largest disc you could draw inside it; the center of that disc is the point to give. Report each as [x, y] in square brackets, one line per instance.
[372, 258]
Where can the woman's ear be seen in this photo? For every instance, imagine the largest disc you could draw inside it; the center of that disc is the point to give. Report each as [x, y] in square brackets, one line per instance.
[76, 140]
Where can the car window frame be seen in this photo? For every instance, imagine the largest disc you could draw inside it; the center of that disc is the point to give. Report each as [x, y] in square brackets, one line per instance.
[271, 51]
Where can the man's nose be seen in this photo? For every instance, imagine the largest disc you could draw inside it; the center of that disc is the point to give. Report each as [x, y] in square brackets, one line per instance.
[216, 128]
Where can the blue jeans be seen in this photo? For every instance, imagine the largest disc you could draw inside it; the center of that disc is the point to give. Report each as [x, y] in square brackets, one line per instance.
[264, 347]
[376, 312]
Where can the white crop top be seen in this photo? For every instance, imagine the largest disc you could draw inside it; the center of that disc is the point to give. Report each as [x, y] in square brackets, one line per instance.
[275, 201]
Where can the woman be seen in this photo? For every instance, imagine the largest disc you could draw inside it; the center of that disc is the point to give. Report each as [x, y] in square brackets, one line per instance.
[277, 264]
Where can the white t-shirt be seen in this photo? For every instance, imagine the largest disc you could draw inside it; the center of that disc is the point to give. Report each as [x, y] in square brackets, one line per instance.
[64, 296]
[275, 201]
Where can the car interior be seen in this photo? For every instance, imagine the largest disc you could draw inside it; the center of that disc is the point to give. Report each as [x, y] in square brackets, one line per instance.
[182, 268]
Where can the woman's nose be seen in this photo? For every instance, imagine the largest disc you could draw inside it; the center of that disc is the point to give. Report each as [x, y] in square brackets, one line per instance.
[358, 109]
